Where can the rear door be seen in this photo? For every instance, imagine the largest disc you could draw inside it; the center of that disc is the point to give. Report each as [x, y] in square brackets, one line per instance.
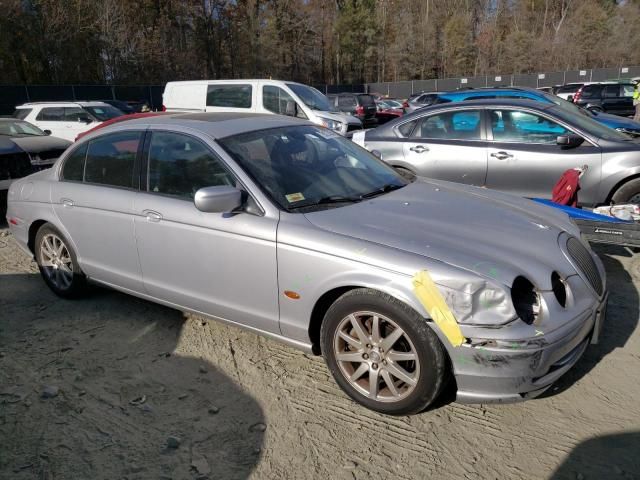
[614, 102]
[52, 118]
[524, 158]
[449, 146]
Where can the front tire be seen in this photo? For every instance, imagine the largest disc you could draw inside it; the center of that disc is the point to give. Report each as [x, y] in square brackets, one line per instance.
[628, 193]
[382, 353]
[58, 264]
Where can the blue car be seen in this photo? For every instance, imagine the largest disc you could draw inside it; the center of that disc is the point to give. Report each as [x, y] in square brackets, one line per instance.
[622, 124]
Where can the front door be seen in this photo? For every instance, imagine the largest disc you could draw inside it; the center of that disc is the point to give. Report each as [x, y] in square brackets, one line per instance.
[525, 159]
[94, 202]
[220, 264]
[448, 146]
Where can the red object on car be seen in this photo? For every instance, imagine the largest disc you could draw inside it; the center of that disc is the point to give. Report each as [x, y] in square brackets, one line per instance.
[122, 118]
[565, 192]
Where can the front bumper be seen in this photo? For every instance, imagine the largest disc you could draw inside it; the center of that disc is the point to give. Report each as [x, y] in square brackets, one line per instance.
[507, 375]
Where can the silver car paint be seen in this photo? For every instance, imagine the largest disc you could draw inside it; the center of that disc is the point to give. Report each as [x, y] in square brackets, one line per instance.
[531, 171]
[380, 243]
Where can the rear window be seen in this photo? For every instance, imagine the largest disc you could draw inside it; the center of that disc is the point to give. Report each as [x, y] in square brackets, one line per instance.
[366, 100]
[234, 96]
[22, 113]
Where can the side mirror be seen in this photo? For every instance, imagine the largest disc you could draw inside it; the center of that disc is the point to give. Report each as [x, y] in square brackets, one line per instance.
[86, 120]
[570, 98]
[291, 109]
[218, 199]
[377, 153]
[570, 140]
[47, 132]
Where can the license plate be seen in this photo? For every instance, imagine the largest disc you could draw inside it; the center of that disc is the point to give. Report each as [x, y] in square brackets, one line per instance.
[600, 318]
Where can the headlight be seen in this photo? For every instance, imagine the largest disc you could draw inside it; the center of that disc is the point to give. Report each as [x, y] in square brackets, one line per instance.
[332, 124]
[479, 303]
[526, 300]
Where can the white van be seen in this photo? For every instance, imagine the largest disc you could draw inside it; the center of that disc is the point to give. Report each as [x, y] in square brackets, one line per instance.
[258, 96]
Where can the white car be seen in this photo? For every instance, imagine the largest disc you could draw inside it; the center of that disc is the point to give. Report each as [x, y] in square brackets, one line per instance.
[66, 119]
[258, 96]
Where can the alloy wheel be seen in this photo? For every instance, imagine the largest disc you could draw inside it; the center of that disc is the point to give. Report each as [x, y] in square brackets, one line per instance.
[56, 261]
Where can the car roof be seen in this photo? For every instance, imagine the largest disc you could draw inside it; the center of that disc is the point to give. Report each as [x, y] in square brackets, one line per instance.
[216, 125]
[492, 102]
[63, 103]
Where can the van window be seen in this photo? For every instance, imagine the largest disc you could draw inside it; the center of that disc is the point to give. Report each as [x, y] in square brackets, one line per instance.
[235, 96]
[276, 99]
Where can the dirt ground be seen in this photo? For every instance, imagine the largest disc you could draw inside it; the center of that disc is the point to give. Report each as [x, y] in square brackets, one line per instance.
[112, 387]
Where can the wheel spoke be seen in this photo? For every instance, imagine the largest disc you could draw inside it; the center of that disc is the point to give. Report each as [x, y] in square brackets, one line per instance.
[350, 340]
[373, 383]
[375, 329]
[389, 382]
[400, 373]
[60, 248]
[361, 370]
[401, 356]
[359, 328]
[48, 246]
[388, 341]
[350, 357]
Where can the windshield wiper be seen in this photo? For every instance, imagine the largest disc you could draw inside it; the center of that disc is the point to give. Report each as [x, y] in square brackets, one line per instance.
[327, 200]
[384, 189]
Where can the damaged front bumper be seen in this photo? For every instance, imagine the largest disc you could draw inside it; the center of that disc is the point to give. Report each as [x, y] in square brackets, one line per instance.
[503, 372]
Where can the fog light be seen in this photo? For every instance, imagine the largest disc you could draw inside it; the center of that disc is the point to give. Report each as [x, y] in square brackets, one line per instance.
[526, 300]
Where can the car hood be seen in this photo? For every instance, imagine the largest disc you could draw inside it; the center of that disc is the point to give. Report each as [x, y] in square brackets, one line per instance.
[36, 144]
[339, 117]
[492, 234]
[616, 121]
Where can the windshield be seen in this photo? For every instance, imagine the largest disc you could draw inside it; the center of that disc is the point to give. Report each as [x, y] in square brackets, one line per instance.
[589, 125]
[306, 168]
[311, 97]
[106, 112]
[19, 128]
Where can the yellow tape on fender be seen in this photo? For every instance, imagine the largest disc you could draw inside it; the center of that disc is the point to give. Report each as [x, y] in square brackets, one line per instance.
[431, 299]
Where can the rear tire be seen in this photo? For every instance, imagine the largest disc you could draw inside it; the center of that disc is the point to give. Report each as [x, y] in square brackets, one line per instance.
[382, 353]
[58, 264]
[628, 192]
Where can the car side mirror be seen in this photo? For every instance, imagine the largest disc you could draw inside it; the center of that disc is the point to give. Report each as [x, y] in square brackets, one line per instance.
[47, 132]
[218, 199]
[291, 109]
[377, 153]
[570, 140]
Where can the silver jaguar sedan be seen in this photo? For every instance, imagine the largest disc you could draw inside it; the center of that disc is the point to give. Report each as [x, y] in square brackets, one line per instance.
[289, 230]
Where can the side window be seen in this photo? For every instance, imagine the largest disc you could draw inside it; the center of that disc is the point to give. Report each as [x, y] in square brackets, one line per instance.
[627, 90]
[111, 159]
[457, 125]
[589, 91]
[53, 114]
[180, 165]
[76, 114]
[346, 101]
[231, 95]
[406, 128]
[524, 127]
[22, 113]
[611, 91]
[73, 168]
[275, 100]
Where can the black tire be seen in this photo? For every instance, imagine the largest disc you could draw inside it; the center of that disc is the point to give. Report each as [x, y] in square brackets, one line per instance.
[627, 191]
[77, 281]
[429, 375]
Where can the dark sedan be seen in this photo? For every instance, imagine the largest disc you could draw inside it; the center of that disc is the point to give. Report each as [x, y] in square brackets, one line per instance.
[516, 146]
[25, 149]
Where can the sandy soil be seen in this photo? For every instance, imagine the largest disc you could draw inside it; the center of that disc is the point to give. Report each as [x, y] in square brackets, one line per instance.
[118, 388]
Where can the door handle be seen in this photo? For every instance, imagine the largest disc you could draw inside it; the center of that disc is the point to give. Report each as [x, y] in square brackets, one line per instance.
[501, 155]
[419, 149]
[66, 202]
[152, 216]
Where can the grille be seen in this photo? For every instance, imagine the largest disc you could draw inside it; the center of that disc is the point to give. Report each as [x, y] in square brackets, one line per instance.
[584, 261]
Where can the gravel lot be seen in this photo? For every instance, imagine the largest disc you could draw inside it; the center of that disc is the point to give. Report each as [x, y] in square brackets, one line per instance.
[115, 387]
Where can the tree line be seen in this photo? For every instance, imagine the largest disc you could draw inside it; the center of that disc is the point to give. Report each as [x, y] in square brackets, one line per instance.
[311, 41]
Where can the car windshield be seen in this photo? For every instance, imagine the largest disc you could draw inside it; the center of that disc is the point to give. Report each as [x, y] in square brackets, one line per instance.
[307, 168]
[311, 97]
[589, 125]
[19, 128]
[104, 112]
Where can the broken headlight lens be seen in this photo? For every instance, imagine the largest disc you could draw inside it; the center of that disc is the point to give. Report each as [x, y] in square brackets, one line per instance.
[480, 303]
[526, 300]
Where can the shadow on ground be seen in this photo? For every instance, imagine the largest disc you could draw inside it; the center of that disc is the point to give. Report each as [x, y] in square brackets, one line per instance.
[607, 456]
[123, 403]
[620, 322]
